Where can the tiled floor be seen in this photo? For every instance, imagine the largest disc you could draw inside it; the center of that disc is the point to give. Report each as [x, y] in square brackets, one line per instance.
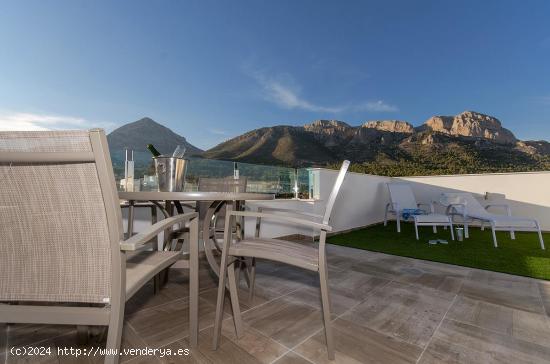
[386, 309]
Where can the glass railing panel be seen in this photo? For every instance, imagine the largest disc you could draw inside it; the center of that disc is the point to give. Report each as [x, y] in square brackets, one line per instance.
[268, 179]
[284, 182]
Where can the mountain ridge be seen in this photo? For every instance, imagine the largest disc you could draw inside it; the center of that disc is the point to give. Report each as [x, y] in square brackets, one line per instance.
[478, 140]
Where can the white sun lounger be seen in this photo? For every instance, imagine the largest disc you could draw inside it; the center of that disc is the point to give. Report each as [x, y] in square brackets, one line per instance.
[464, 204]
[402, 198]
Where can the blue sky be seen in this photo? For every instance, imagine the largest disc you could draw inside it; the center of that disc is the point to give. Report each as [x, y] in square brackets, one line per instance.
[212, 70]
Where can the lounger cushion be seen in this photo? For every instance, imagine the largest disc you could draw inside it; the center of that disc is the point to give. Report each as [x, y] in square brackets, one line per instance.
[436, 218]
[507, 221]
[143, 265]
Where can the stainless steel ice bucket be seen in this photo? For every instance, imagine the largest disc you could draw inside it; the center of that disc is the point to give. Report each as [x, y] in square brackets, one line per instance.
[170, 173]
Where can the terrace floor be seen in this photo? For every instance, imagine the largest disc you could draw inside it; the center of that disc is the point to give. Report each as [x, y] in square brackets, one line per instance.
[386, 309]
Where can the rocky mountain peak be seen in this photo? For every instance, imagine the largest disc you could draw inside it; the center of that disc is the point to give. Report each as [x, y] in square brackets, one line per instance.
[471, 124]
[329, 132]
[326, 124]
[395, 126]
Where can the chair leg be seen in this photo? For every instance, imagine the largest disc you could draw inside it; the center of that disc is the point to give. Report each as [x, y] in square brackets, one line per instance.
[252, 281]
[494, 236]
[220, 303]
[452, 232]
[325, 299]
[540, 236]
[398, 220]
[237, 319]
[386, 216]
[114, 334]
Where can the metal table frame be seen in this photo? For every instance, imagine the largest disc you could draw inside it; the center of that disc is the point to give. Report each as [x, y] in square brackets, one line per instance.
[174, 200]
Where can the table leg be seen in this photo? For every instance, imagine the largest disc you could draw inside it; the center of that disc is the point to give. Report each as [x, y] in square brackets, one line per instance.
[206, 236]
[131, 204]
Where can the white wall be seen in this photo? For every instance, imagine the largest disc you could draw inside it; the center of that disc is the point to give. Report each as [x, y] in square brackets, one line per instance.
[528, 194]
[363, 197]
[361, 200]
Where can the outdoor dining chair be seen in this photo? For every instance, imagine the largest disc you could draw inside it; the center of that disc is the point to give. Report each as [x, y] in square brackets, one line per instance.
[63, 259]
[295, 254]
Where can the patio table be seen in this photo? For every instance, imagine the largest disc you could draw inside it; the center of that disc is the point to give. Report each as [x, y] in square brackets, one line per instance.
[178, 199]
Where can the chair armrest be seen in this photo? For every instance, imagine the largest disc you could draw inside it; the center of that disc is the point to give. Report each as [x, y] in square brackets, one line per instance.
[502, 205]
[430, 205]
[454, 206]
[140, 239]
[290, 219]
[290, 211]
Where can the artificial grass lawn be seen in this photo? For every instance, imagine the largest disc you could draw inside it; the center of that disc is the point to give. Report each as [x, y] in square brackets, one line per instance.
[522, 256]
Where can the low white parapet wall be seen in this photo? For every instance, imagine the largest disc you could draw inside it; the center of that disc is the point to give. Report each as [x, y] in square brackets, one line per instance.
[363, 198]
[528, 194]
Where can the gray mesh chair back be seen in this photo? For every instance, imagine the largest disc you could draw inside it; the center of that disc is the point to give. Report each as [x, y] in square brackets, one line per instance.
[55, 233]
[335, 191]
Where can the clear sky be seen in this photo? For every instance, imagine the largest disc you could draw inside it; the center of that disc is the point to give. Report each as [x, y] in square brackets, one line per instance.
[211, 70]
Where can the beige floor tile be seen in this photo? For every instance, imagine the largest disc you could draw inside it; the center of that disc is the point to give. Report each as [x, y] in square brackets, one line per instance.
[544, 288]
[482, 314]
[522, 298]
[161, 325]
[354, 285]
[253, 346]
[30, 334]
[211, 296]
[228, 351]
[276, 284]
[253, 342]
[146, 298]
[356, 344]
[456, 342]
[144, 360]
[195, 356]
[387, 267]
[407, 312]
[285, 320]
[312, 297]
[519, 324]
[292, 358]
[433, 275]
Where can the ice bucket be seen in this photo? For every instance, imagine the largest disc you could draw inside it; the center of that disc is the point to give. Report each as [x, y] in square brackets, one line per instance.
[170, 173]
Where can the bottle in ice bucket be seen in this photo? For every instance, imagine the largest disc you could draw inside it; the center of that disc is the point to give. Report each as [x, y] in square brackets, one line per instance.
[179, 152]
[153, 150]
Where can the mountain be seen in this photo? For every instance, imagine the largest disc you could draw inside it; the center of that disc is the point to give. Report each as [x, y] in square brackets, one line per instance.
[471, 124]
[469, 142]
[287, 145]
[145, 131]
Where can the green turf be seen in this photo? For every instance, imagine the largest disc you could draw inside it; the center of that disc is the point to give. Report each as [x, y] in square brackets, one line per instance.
[522, 256]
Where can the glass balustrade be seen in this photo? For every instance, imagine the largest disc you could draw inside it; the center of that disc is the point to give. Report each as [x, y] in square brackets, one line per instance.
[284, 182]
